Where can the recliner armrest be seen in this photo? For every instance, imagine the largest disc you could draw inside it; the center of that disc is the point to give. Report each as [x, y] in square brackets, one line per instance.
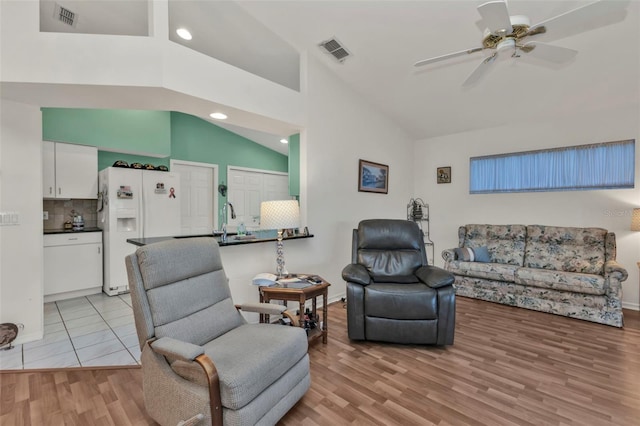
[176, 349]
[356, 274]
[263, 308]
[434, 277]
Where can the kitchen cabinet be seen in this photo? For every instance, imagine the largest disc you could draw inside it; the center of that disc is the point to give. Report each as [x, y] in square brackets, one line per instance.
[72, 265]
[69, 171]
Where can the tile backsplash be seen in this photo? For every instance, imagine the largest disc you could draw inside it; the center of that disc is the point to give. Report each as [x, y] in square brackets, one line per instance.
[61, 211]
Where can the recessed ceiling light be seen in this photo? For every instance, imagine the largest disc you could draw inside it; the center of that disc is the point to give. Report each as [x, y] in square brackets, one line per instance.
[184, 33]
[218, 116]
[284, 140]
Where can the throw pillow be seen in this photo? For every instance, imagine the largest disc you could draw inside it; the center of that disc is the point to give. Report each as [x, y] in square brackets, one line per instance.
[478, 254]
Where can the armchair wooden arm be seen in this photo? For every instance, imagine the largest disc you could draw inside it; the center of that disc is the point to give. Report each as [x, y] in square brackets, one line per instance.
[214, 388]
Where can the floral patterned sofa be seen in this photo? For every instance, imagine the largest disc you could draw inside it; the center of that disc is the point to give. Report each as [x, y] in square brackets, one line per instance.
[561, 270]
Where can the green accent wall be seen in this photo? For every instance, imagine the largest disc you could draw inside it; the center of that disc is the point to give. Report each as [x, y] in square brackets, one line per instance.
[294, 165]
[129, 131]
[153, 137]
[195, 139]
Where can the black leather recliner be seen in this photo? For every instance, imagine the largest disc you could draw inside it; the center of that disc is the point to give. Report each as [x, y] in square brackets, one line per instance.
[392, 294]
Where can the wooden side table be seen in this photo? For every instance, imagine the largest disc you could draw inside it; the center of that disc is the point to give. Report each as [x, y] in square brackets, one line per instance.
[301, 295]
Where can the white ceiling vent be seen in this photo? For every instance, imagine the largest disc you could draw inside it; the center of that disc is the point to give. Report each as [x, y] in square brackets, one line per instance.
[335, 49]
[64, 15]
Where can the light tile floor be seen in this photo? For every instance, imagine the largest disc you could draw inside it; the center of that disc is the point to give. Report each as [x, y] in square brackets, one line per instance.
[96, 330]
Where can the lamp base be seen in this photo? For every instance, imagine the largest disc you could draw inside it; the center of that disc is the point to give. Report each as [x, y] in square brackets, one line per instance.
[280, 271]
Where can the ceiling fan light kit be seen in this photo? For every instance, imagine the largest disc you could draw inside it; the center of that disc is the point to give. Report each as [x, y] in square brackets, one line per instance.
[519, 28]
[505, 33]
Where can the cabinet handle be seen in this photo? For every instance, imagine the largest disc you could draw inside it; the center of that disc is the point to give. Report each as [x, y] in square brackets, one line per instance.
[98, 250]
[50, 190]
[72, 239]
[59, 191]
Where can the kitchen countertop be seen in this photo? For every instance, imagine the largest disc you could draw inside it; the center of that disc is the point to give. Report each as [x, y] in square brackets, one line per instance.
[232, 240]
[70, 231]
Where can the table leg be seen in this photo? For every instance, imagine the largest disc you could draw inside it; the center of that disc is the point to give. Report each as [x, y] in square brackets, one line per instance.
[264, 318]
[325, 323]
[303, 300]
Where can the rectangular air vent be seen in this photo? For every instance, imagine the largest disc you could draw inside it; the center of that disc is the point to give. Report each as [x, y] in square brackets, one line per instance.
[335, 49]
[64, 15]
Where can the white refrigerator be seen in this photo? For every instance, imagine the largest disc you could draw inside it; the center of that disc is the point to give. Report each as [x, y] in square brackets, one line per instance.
[134, 203]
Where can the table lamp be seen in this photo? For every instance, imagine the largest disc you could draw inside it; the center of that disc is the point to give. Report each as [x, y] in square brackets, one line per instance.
[280, 215]
[635, 220]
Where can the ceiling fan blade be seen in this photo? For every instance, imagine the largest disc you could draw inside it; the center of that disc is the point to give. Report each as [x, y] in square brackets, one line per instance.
[549, 52]
[447, 56]
[496, 17]
[585, 18]
[480, 71]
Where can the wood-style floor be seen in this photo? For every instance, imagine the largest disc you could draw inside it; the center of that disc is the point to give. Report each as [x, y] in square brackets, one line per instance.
[508, 366]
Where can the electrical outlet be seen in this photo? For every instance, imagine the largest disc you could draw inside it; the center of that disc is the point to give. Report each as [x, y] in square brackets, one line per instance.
[45, 215]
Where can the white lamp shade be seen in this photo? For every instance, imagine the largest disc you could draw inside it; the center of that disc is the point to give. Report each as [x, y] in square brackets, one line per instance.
[635, 220]
[279, 214]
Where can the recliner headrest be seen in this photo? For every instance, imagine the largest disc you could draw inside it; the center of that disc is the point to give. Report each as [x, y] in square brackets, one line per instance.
[389, 234]
[175, 260]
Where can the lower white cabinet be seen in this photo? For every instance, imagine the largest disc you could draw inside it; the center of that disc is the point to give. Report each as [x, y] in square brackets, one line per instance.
[72, 265]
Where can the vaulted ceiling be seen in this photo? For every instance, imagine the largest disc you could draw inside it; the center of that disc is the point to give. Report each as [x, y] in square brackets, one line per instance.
[385, 39]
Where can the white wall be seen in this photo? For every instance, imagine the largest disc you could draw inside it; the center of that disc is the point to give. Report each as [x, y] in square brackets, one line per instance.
[341, 129]
[21, 291]
[452, 205]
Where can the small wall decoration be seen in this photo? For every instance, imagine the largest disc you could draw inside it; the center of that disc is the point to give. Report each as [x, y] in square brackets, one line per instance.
[373, 177]
[160, 189]
[444, 175]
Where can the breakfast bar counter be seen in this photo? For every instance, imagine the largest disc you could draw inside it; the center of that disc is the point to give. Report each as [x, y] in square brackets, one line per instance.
[232, 239]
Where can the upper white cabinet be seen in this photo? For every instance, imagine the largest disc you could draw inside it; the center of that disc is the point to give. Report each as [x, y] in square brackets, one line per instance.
[69, 171]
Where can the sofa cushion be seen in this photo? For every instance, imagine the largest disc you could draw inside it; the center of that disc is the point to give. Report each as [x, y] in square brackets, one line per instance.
[492, 271]
[557, 280]
[565, 249]
[506, 243]
[530, 297]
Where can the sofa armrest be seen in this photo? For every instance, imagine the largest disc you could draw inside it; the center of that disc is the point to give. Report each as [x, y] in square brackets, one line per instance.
[176, 349]
[434, 277]
[449, 255]
[613, 269]
[356, 274]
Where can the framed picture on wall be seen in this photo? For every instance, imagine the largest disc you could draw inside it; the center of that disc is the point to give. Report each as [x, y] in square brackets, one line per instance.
[444, 175]
[373, 177]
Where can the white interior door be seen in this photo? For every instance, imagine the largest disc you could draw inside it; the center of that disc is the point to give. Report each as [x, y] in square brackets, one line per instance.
[248, 188]
[276, 187]
[245, 192]
[198, 186]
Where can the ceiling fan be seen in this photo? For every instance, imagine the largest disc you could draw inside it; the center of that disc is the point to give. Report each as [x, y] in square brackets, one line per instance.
[509, 35]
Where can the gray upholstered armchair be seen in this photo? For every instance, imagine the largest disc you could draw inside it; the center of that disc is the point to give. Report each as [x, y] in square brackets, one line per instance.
[392, 294]
[202, 363]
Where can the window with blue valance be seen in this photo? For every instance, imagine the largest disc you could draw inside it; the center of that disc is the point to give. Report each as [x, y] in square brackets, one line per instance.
[608, 165]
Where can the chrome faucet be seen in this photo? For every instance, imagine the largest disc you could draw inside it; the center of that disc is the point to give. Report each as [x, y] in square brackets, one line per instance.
[224, 219]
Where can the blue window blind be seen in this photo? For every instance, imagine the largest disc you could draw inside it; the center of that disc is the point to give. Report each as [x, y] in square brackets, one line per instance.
[596, 166]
